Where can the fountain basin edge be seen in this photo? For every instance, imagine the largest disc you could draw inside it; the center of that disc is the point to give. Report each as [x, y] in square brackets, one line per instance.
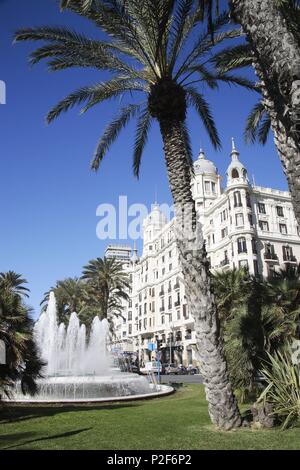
[164, 390]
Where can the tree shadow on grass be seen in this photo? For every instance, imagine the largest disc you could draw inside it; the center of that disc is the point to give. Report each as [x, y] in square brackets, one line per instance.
[18, 436]
[13, 414]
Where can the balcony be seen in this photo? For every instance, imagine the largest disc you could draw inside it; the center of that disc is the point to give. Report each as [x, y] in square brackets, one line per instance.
[271, 257]
[224, 262]
[289, 258]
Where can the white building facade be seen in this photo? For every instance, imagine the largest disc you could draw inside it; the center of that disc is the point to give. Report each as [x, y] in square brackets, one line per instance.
[243, 225]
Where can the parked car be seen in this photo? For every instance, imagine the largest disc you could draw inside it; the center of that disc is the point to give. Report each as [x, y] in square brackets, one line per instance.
[192, 370]
[170, 368]
[151, 366]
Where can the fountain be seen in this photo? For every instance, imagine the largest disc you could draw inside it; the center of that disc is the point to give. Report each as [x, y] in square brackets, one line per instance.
[79, 367]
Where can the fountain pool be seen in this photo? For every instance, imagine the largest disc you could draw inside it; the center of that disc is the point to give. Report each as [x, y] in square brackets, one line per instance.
[79, 367]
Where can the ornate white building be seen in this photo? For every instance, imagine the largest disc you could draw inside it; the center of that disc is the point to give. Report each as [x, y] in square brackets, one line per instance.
[243, 225]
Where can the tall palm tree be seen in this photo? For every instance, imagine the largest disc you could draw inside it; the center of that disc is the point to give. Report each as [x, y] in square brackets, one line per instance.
[154, 50]
[16, 330]
[108, 285]
[272, 29]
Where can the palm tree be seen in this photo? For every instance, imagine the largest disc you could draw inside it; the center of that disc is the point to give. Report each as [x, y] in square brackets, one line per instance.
[154, 51]
[71, 296]
[108, 285]
[12, 282]
[16, 330]
[273, 34]
[281, 308]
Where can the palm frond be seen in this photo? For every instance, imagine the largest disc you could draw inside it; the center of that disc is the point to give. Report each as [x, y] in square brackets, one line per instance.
[111, 133]
[93, 95]
[258, 124]
[200, 104]
[141, 137]
[233, 58]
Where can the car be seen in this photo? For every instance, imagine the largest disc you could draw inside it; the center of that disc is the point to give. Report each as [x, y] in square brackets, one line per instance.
[150, 367]
[170, 368]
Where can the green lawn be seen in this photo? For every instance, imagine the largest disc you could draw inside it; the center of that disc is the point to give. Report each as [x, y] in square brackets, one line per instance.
[179, 421]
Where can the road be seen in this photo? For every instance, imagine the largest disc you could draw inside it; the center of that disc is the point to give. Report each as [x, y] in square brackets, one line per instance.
[187, 379]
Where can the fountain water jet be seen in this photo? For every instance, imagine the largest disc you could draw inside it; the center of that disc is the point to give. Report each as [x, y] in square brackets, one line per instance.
[79, 367]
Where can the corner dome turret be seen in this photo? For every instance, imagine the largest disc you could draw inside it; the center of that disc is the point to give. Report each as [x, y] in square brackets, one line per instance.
[204, 166]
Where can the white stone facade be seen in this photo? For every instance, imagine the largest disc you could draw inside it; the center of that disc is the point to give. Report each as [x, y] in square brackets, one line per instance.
[243, 225]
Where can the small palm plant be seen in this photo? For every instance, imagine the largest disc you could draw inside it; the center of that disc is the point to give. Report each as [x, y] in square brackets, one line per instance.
[282, 377]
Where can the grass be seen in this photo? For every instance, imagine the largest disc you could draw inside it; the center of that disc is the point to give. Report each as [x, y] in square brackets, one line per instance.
[176, 422]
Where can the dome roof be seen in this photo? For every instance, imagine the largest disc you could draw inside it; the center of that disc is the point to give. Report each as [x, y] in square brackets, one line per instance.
[204, 166]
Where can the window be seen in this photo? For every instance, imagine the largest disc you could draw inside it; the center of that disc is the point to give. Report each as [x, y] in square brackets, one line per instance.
[261, 208]
[213, 188]
[213, 238]
[237, 199]
[129, 316]
[129, 329]
[250, 218]
[162, 320]
[239, 220]
[254, 246]
[287, 252]
[178, 314]
[234, 173]
[145, 323]
[242, 245]
[255, 267]
[145, 309]
[283, 229]
[170, 267]
[207, 186]
[263, 225]
[170, 303]
[248, 200]
[224, 232]
[170, 254]
[279, 210]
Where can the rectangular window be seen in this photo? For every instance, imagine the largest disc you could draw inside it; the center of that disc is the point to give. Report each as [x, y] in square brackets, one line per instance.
[250, 218]
[283, 229]
[129, 329]
[224, 232]
[207, 186]
[239, 220]
[242, 245]
[237, 199]
[263, 225]
[261, 208]
[254, 246]
[213, 188]
[255, 267]
[279, 210]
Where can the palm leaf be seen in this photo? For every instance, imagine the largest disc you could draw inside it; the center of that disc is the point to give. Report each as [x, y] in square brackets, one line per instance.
[111, 133]
[141, 137]
[200, 104]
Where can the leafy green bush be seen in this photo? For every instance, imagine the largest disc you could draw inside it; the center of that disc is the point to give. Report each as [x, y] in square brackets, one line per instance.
[282, 377]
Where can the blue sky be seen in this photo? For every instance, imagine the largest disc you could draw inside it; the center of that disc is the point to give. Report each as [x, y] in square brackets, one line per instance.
[48, 195]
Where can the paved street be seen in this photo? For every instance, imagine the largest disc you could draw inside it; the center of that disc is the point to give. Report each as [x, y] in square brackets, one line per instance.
[187, 379]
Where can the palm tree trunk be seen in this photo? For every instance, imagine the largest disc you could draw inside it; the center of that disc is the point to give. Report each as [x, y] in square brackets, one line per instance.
[222, 405]
[276, 54]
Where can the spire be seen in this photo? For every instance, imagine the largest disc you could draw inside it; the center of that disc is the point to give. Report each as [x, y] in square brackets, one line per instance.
[201, 154]
[234, 152]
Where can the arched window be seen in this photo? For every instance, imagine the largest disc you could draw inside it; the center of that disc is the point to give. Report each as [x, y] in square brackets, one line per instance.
[244, 173]
[235, 173]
